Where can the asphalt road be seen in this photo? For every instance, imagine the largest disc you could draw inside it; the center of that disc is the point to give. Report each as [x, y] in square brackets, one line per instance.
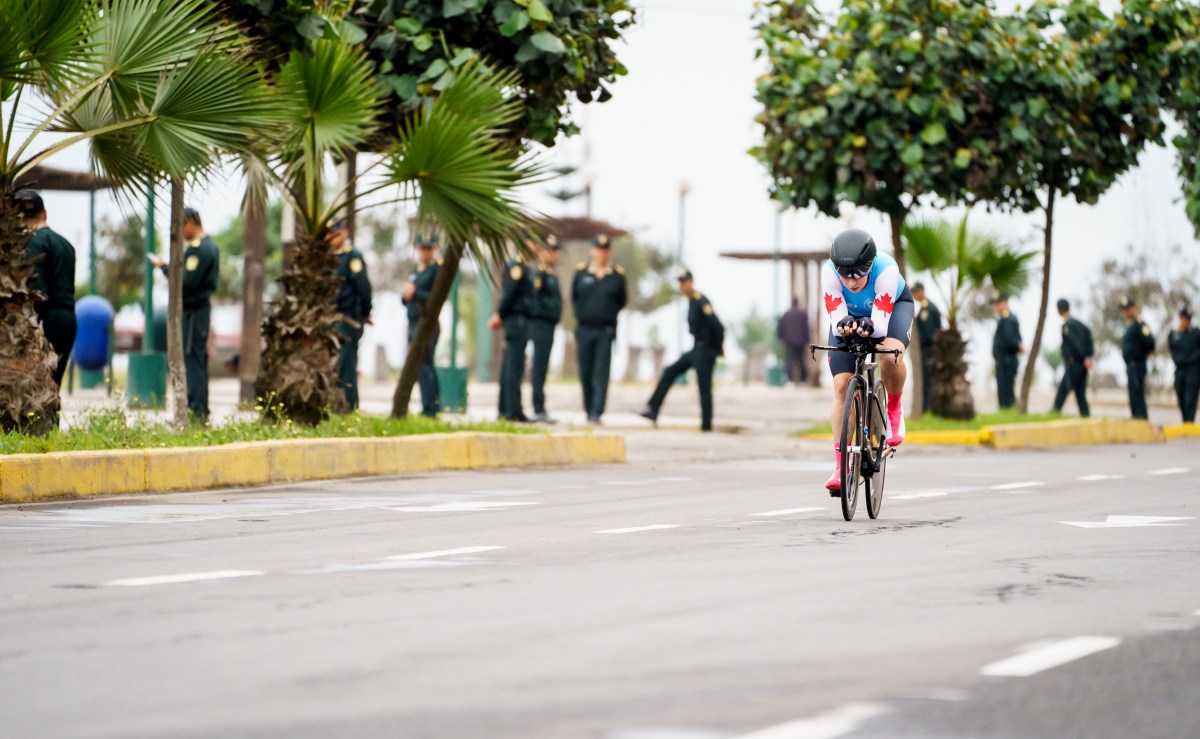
[650, 601]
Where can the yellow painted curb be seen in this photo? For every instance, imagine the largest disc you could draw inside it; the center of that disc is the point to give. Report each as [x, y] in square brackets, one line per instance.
[958, 437]
[33, 477]
[1182, 431]
[1075, 433]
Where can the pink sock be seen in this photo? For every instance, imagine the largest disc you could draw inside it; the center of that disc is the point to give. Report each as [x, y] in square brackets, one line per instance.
[894, 405]
[837, 457]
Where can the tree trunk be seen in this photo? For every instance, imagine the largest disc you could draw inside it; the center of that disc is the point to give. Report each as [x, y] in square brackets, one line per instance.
[255, 258]
[425, 329]
[1036, 346]
[176, 375]
[917, 373]
[950, 395]
[29, 400]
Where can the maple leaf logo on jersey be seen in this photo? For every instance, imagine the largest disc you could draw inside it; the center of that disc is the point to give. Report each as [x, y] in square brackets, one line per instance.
[831, 303]
[885, 304]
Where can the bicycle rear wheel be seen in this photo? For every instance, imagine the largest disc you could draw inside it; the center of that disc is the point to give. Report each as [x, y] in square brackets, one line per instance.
[877, 449]
[852, 447]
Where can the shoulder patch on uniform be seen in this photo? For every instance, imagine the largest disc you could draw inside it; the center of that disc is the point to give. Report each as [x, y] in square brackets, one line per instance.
[1145, 329]
[516, 272]
[708, 311]
[697, 295]
[192, 263]
[581, 266]
[619, 269]
[356, 265]
[439, 262]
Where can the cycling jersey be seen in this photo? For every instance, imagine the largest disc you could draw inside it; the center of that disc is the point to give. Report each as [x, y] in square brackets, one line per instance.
[885, 287]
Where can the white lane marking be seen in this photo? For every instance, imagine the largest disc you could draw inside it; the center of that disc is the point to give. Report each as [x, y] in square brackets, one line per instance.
[915, 496]
[1168, 471]
[1050, 655]
[673, 479]
[1098, 478]
[1125, 522]
[442, 553]
[478, 505]
[667, 733]
[186, 577]
[638, 528]
[828, 725]
[787, 511]
[1018, 485]
[624, 483]
[951, 695]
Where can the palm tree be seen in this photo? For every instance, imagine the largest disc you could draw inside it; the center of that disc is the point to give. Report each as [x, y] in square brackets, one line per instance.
[156, 86]
[962, 265]
[449, 157]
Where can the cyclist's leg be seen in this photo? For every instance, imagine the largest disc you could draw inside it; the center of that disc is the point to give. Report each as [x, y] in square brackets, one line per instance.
[841, 378]
[894, 371]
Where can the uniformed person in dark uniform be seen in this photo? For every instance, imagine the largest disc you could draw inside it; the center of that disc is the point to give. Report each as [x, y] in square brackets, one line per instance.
[598, 295]
[1184, 343]
[53, 276]
[1136, 347]
[354, 303]
[1006, 346]
[415, 293]
[201, 260]
[709, 334]
[929, 322]
[1078, 351]
[514, 312]
[547, 312]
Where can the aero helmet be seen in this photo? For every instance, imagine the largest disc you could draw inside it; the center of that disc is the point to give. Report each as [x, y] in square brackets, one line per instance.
[853, 252]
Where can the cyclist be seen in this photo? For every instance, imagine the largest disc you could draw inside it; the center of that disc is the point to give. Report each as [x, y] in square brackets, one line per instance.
[866, 297]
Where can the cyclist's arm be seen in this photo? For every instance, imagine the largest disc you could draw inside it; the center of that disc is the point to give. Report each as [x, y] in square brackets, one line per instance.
[835, 301]
[887, 285]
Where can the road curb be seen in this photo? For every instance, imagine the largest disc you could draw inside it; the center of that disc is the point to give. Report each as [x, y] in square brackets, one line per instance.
[26, 478]
[1050, 434]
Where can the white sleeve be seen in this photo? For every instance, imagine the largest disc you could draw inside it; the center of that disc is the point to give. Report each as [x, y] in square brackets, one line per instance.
[886, 287]
[831, 288]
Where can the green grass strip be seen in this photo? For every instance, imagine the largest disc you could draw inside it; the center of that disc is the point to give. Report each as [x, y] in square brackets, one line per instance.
[113, 429]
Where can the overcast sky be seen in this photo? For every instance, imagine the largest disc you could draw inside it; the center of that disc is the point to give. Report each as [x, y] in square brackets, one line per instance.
[685, 113]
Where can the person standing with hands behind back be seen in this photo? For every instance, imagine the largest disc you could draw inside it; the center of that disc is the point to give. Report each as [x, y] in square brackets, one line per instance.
[353, 303]
[201, 264]
[53, 276]
[1184, 343]
[598, 294]
[547, 311]
[413, 295]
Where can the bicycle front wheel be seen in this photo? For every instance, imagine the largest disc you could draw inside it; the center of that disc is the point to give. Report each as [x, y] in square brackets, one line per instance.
[877, 449]
[852, 447]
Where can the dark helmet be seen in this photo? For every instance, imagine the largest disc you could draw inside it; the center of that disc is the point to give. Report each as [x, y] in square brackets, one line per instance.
[853, 253]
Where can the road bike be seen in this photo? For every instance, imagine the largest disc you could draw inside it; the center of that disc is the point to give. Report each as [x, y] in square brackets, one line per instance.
[863, 439]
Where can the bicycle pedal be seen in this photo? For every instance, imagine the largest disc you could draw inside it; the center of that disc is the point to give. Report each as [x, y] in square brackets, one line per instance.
[891, 452]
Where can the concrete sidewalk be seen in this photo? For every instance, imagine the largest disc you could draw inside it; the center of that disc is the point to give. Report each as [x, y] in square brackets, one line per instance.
[752, 421]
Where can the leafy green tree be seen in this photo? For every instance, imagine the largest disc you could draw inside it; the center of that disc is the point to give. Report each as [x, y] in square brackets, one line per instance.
[151, 84]
[753, 332]
[963, 265]
[121, 263]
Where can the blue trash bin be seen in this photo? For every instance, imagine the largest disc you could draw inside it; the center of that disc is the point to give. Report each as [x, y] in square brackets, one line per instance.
[93, 316]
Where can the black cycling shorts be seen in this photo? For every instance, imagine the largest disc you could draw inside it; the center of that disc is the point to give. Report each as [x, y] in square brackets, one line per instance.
[899, 328]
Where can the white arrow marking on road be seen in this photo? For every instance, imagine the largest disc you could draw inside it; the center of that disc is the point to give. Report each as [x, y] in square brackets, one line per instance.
[187, 577]
[828, 725]
[638, 528]
[1168, 471]
[442, 553]
[787, 511]
[1048, 656]
[1018, 485]
[1098, 478]
[479, 505]
[1125, 522]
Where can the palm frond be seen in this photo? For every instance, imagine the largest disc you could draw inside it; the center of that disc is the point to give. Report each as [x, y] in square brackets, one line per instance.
[930, 245]
[44, 41]
[1007, 269]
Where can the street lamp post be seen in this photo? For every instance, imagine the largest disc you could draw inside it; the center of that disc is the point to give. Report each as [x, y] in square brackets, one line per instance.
[684, 189]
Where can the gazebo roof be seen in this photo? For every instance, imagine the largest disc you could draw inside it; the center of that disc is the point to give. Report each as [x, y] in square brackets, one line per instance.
[794, 257]
[51, 178]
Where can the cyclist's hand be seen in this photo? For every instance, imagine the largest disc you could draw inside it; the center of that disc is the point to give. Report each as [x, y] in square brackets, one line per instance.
[866, 326]
[846, 325]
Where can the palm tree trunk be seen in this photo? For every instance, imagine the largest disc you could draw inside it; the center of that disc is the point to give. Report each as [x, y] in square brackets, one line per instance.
[914, 348]
[29, 400]
[1035, 347]
[175, 369]
[425, 329]
[255, 257]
